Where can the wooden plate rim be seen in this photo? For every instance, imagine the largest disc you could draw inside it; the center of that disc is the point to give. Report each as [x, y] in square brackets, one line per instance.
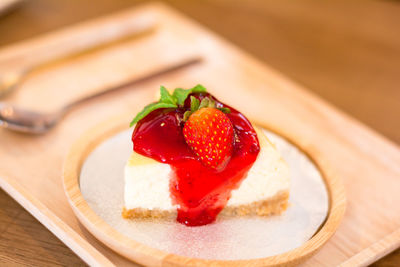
[144, 254]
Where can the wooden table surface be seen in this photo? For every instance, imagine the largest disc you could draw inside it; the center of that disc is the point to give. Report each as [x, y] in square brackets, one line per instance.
[348, 52]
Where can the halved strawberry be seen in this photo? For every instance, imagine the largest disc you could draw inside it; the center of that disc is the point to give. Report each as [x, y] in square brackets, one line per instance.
[209, 133]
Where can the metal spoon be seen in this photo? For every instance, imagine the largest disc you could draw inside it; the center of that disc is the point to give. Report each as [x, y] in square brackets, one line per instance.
[21, 120]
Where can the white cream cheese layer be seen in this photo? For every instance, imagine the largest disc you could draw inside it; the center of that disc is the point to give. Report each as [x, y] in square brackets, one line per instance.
[147, 181]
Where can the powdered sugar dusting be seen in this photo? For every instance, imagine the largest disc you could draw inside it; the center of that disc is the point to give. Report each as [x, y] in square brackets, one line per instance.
[102, 185]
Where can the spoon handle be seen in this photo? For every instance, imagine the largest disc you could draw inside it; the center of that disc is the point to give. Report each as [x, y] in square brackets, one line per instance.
[157, 73]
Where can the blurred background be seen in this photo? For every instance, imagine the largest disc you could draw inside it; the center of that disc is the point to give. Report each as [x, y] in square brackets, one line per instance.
[347, 52]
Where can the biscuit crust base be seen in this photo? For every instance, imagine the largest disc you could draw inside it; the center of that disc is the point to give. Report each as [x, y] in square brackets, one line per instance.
[271, 206]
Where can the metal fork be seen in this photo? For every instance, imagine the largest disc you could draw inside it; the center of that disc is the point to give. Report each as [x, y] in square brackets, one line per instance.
[21, 120]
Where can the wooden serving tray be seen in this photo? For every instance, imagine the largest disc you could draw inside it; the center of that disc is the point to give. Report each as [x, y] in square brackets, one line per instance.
[31, 166]
[150, 256]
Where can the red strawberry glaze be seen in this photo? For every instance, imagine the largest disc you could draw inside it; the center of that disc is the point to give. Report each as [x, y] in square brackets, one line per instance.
[200, 192]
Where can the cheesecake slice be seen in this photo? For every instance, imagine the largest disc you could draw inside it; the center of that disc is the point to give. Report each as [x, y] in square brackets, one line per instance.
[265, 190]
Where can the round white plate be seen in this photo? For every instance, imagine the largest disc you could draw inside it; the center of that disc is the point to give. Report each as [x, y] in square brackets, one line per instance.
[240, 238]
[93, 182]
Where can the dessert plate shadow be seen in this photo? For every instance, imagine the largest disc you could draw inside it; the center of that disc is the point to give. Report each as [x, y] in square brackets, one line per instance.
[94, 180]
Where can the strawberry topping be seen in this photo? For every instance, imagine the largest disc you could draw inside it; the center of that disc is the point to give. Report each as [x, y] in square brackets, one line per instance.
[209, 133]
[209, 146]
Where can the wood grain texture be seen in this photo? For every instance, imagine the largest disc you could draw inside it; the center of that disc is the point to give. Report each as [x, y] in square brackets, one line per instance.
[345, 51]
[111, 34]
[149, 256]
[371, 42]
[25, 242]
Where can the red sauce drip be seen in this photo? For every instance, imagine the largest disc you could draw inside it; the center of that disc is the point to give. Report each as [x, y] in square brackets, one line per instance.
[200, 192]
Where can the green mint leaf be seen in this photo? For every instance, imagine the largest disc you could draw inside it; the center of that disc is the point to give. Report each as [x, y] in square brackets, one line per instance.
[149, 108]
[199, 89]
[166, 97]
[186, 115]
[204, 103]
[212, 104]
[225, 110]
[171, 101]
[181, 94]
[194, 103]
